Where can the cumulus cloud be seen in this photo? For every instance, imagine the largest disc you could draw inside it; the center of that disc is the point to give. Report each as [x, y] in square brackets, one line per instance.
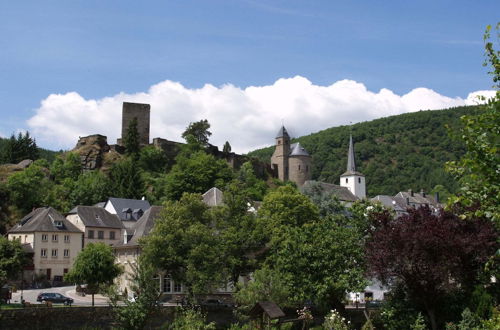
[248, 118]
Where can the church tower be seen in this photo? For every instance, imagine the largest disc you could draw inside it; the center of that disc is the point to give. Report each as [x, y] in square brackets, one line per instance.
[279, 160]
[352, 180]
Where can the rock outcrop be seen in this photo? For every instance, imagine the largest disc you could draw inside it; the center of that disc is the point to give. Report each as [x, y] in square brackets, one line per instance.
[91, 150]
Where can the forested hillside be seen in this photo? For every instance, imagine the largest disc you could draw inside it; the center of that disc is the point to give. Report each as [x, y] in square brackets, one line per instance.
[42, 153]
[395, 153]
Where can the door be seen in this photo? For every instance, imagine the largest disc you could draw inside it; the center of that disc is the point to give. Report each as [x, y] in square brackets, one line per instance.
[49, 273]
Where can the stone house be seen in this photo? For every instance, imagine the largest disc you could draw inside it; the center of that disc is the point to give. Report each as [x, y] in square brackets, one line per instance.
[54, 241]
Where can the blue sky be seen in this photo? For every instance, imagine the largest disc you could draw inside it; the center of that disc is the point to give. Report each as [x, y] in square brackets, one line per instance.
[99, 49]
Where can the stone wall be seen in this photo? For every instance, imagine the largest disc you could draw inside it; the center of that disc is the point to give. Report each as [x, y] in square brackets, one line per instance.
[41, 317]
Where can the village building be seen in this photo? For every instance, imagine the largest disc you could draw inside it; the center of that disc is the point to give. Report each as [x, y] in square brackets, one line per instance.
[97, 224]
[129, 211]
[53, 241]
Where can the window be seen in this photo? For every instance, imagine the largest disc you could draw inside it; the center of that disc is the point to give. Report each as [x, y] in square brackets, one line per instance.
[111, 235]
[25, 238]
[299, 167]
[91, 234]
[66, 253]
[54, 253]
[307, 168]
[66, 238]
[167, 285]
[177, 287]
[54, 237]
[346, 180]
[43, 253]
[100, 234]
[359, 180]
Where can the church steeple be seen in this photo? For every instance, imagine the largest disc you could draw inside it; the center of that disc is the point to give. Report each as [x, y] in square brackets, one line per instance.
[351, 164]
[352, 179]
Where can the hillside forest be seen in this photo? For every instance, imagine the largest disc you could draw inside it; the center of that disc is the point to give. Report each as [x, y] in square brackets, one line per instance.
[395, 153]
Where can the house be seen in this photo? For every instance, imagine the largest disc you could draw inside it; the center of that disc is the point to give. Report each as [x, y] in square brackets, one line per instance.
[55, 242]
[406, 199]
[97, 224]
[129, 211]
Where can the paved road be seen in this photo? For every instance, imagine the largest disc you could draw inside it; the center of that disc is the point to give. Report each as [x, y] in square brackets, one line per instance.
[69, 291]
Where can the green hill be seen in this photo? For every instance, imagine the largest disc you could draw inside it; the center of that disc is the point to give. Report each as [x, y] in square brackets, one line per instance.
[395, 153]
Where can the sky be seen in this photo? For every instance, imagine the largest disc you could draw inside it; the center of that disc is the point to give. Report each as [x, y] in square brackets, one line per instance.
[245, 65]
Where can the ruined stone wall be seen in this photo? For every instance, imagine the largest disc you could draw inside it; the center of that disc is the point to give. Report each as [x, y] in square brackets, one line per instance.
[142, 113]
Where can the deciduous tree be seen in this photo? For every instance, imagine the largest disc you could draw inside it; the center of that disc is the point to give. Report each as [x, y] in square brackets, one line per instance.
[430, 254]
[12, 259]
[94, 266]
[199, 131]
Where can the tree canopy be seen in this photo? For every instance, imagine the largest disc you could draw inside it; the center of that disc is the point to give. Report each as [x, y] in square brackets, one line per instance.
[12, 259]
[199, 131]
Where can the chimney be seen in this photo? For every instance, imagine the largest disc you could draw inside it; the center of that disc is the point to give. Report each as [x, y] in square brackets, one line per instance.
[411, 192]
[437, 197]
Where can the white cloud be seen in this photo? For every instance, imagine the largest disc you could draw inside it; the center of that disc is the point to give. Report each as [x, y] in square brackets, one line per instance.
[248, 118]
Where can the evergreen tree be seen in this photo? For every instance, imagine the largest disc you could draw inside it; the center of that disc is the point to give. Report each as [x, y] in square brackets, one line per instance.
[131, 139]
[227, 148]
[19, 148]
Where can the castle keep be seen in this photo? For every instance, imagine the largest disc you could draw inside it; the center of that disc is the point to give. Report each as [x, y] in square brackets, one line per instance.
[141, 112]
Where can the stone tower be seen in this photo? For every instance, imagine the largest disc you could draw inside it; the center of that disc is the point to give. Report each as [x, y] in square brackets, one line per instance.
[292, 162]
[279, 160]
[141, 112]
[299, 165]
[351, 179]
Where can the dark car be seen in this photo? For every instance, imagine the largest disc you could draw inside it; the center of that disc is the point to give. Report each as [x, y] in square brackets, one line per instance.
[54, 298]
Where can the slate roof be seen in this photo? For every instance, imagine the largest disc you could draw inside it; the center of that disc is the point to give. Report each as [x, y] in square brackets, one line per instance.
[342, 193]
[213, 197]
[417, 198]
[282, 133]
[298, 150]
[121, 204]
[143, 226]
[42, 219]
[93, 216]
[396, 203]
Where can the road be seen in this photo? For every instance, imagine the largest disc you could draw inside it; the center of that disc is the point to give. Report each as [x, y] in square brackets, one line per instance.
[69, 291]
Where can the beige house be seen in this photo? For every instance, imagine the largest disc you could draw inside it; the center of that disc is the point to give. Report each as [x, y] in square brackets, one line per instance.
[97, 224]
[54, 240]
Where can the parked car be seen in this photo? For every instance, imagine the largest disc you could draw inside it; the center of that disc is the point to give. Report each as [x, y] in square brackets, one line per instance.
[54, 298]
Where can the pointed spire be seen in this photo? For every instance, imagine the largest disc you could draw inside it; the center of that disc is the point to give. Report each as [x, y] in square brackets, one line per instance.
[282, 132]
[351, 165]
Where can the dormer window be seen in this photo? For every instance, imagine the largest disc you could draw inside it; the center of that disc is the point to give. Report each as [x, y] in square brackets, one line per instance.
[127, 212]
[138, 213]
[58, 224]
[346, 180]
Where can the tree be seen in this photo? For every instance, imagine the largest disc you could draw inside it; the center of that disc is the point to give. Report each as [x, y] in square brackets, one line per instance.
[185, 244]
[478, 171]
[28, 188]
[429, 254]
[126, 179]
[131, 140]
[66, 167]
[253, 186]
[199, 131]
[134, 314]
[226, 149]
[12, 259]
[20, 148]
[153, 159]
[90, 188]
[196, 173]
[282, 208]
[94, 265]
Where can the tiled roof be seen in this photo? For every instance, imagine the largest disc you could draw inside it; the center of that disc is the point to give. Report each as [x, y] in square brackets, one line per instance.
[44, 219]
